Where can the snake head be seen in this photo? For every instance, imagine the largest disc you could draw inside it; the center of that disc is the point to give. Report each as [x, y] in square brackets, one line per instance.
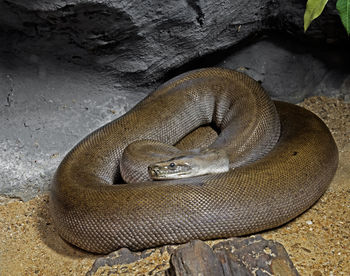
[190, 165]
[174, 168]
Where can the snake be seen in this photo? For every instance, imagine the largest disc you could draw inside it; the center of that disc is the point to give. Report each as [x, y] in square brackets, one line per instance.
[271, 161]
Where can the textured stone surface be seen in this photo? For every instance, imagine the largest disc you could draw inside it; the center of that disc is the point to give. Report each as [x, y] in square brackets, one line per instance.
[288, 70]
[236, 256]
[253, 256]
[133, 39]
[139, 41]
[195, 258]
[46, 108]
[118, 258]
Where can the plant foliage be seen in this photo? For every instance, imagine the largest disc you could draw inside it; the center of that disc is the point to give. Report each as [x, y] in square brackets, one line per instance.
[343, 7]
[314, 9]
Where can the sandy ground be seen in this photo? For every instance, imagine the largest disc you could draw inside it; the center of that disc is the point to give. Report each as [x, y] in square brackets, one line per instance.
[317, 241]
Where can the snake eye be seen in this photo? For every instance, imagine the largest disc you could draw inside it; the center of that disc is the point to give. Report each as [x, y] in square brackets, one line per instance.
[172, 165]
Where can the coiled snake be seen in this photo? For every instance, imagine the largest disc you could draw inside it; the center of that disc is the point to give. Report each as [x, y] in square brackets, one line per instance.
[281, 160]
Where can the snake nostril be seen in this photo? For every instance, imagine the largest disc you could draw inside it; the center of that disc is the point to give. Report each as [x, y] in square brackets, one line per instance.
[153, 171]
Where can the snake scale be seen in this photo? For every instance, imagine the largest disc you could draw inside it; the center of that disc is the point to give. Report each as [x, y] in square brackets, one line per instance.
[283, 159]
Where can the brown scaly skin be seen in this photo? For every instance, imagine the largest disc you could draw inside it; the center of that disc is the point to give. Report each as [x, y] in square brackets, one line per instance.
[274, 182]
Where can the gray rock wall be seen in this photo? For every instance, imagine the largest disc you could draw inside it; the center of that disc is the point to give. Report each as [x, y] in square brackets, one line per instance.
[133, 39]
[138, 41]
[287, 70]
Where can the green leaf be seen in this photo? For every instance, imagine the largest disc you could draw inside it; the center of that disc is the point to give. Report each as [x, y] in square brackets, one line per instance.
[343, 7]
[313, 10]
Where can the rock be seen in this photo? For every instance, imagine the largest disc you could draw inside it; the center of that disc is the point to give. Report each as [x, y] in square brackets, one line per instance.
[236, 256]
[151, 262]
[287, 70]
[253, 256]
[140, 42]
[45, 109]
[195, 258]
[121, 257]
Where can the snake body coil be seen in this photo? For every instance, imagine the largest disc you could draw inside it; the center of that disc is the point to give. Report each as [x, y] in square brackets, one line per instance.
[283, 158]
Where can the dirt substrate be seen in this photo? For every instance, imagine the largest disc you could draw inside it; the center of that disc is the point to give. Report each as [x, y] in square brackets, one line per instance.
[317, 241]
